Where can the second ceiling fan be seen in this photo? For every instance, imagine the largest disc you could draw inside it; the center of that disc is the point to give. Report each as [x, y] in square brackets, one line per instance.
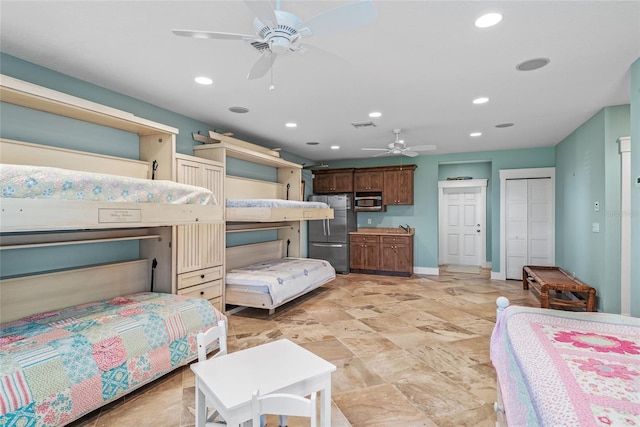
[399, 147]
[278, 32]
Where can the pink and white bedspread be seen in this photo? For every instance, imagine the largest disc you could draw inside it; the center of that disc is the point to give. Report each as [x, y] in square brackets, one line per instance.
[42, 182]
[559, 368]
[57, 366]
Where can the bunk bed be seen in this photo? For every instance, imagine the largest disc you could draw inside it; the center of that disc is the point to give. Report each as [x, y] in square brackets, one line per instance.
[563, 368]
[253, 205]
[74, 339]
[259, 276]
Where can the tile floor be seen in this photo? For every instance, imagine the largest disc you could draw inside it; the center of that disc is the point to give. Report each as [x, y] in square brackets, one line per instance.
[409, 351]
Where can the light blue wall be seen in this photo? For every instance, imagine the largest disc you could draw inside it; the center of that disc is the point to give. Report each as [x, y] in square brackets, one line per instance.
[423, 214]
[635, 188]
[588, 171]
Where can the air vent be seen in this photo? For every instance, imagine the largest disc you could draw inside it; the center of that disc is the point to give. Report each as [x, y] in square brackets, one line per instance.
[363, 125]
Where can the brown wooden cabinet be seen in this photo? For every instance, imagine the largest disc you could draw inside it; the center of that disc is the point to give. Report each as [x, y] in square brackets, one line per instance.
[364, 252]
[381, 253]
[333, 181]
[365, 180]
[396, 254]
[398, 186]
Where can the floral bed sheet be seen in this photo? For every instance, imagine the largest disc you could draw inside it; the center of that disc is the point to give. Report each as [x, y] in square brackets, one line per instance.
[42, 182]
[282, 278]
[273, 203]
[558, 368]
[57, 366]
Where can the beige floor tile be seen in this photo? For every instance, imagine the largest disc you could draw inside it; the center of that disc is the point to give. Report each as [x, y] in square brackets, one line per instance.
[408, 352]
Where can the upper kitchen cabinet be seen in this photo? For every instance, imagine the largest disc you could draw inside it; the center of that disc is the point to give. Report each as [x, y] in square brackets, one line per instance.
[365, 180]
[333, 181]
[398, 185]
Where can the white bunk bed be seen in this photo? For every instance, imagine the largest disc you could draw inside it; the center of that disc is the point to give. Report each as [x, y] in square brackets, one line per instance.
[260, 205]
[258, 275]
[101, 330]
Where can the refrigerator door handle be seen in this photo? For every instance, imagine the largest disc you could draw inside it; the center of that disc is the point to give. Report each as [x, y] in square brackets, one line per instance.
[328, 245]
[328, 227]
[324, 227]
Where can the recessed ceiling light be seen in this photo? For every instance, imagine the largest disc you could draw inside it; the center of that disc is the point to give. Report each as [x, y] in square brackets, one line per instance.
[335, 147]
[312, 143]
[504, 125]
[481, 100]
[203, 80]
[239, 110]
[291, 125]
[375, 114]
[475, 134]
[532, 64]
[488, 20]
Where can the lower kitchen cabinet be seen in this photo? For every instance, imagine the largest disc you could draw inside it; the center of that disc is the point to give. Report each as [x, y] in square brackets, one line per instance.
[381, 254]
[364, 252]
[396, 254]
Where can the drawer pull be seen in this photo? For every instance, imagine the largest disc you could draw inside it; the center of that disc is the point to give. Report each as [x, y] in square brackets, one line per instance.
[202, 276]
[201, 292]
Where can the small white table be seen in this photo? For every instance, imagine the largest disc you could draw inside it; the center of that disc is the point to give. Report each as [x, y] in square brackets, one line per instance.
[229, 381]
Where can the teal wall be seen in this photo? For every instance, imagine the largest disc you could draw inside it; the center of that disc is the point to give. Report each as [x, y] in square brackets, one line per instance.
[423, 214]
[588, 171]
[635, 188]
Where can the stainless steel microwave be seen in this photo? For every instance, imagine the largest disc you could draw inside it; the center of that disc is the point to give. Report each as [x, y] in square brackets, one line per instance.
[368, 203]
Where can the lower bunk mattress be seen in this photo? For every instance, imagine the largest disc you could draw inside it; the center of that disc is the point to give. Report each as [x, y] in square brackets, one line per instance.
[281, 278]
[560, 368]
[57, 366]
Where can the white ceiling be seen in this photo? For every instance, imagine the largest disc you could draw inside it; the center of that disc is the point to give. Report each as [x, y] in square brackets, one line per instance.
[420, 63]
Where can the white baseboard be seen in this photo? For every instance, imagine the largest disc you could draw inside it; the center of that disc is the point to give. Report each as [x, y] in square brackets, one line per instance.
[498, 275]
[430, 271]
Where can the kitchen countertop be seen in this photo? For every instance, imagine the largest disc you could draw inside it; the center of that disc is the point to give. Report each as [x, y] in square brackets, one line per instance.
[384, 231]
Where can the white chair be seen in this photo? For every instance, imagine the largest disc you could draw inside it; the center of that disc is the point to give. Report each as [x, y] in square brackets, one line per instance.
[205, 340]
[284, 405]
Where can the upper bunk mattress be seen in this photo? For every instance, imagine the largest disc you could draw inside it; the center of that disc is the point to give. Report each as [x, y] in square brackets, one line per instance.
[274, 203]
[282, 277]
[42, 182]
[561, 368]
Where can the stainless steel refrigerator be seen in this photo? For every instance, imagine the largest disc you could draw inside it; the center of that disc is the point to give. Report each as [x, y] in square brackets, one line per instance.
[329, 238]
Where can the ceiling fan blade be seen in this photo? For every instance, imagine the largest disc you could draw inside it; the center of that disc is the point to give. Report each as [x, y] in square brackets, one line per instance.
[409, 153]
[422, 148]
[262, 65]
[374, 149]
[382, 154]
[263, 11]
[212, 35]
[341, 18]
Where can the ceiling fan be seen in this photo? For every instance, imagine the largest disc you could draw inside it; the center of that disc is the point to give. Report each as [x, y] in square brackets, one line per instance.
[399, 147]
[278, 32]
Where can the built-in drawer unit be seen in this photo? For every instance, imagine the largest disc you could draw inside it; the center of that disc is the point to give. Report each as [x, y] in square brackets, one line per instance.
[200, 276]
[211, 291]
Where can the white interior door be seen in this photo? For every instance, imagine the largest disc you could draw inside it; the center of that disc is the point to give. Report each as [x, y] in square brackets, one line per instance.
[528, 224]
[463, 226]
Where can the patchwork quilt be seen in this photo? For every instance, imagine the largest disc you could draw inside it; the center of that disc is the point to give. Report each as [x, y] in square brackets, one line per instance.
[559, 368]
[57, 366]
[41, 182]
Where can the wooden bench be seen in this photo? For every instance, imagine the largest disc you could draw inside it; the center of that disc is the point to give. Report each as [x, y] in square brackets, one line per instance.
[570, 293]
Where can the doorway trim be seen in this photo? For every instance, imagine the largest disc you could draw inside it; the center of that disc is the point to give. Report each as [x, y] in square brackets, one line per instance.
[463, 183]
[531, 173]
[625, 225]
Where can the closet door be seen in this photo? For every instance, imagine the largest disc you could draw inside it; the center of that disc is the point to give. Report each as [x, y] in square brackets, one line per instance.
[529, 224]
